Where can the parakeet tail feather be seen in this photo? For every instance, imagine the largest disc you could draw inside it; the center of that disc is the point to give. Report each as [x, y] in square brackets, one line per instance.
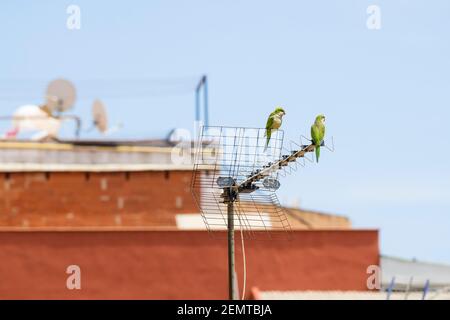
[317, 153]
[267, 134]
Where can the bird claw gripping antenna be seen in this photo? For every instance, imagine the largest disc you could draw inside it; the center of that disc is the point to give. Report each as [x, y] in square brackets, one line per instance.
[235, 179]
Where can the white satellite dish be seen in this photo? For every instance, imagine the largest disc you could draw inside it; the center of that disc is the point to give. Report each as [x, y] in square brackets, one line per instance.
[100, 116]
[60, 95]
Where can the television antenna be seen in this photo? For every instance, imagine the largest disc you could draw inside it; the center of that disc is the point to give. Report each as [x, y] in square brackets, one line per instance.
[235, 180]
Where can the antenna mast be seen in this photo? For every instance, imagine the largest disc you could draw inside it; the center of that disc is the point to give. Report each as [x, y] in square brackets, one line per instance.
[235, 180]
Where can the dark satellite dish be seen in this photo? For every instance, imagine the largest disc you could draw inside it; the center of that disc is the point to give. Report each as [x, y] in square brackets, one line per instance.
[60, 96]
[100, 116]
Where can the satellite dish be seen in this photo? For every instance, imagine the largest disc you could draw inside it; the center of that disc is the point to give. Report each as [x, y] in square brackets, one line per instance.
[100, 116]
[60, 96]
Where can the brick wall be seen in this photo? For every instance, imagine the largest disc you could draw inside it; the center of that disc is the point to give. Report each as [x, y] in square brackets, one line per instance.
[178, 264]
[69, 199]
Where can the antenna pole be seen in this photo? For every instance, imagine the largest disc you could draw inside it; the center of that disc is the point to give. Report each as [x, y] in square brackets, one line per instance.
[197, 104]
[203, 84]
[231, 270]
[205, 100]
[231, 273]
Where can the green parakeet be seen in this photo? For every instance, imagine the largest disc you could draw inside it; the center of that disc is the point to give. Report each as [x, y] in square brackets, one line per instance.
[273, 123]
[318, 133]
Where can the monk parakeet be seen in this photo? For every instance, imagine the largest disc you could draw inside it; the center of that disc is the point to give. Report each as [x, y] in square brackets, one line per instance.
[273, 123]
[318, 133]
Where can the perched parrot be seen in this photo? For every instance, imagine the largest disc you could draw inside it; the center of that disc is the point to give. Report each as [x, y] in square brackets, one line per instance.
[273, 123]
[318, 133]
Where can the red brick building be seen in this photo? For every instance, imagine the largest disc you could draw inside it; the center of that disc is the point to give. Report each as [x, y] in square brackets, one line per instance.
[61, 199]
[113, 209]
[173, 264]
[93, 186]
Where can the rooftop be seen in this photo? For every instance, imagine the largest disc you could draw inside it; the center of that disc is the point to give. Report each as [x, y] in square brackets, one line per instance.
[348, 295]
[91, 155]
[413, 273]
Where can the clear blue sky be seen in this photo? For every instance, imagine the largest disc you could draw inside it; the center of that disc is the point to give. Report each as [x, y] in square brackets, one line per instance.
[386, 93]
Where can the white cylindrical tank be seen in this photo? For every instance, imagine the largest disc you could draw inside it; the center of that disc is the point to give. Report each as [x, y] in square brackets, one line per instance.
[32, 118]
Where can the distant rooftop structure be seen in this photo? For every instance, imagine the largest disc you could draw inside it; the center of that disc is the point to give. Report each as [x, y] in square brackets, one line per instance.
[413, 273]
[299, 219]
[308, 219]
[89, 155]
[346, 295]
[410, 278]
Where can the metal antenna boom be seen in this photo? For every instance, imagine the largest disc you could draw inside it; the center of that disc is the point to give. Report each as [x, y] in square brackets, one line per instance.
[271, 167]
